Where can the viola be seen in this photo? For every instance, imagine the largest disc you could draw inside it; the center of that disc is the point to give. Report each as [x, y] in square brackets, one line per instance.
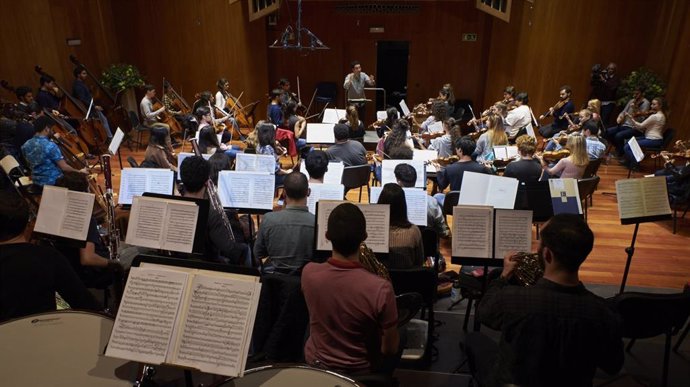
[554, 156]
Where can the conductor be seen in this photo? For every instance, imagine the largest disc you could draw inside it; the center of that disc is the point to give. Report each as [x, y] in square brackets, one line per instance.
[354, 83]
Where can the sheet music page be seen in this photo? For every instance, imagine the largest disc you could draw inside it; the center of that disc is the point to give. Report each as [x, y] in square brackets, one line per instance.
[388, 174]
[512, 151]
[265, 163]
[159, 180]
[180, 226]
[630, 195]
[320, 133]
[472, 231]
[247, 162]
[502, 191]
[77, 215]
[145, 227]
[251, 190]
[416, 203]
[325, 192]
[530, 130]
[332, 116]
[334, 174]
[132, 183]
[424, 155]
[404, 108]
[436, 127]
[52, 207]
[146, 318]
[476, 189]
[378, 224]
[500, 152]
[214, 334]
[636, 150]
[513, 232]
[381, 115]
[655, 196]
[183, 155]
[116, 141]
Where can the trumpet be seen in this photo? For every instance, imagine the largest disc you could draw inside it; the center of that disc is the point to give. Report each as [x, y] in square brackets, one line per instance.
[529, 269]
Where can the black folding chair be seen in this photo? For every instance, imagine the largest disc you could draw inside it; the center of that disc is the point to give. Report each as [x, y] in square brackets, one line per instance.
[357, 177]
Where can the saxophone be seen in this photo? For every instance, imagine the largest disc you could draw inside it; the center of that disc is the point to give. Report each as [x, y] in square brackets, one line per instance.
[368, 260]
[529, 269]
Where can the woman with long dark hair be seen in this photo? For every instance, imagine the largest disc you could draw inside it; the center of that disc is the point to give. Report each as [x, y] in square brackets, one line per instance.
[406, 249]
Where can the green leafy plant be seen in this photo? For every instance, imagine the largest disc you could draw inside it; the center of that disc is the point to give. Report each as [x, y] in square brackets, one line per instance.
[119, 77]
[653, 85]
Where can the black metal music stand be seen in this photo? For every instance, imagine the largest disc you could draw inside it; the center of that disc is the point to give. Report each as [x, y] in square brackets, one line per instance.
[630, 250]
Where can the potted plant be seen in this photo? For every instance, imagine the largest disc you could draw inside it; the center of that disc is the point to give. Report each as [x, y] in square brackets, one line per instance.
[642, 77]
[123, 78]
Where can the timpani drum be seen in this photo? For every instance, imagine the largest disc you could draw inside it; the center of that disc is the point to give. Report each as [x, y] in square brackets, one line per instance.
[289, 376]
[61, 349]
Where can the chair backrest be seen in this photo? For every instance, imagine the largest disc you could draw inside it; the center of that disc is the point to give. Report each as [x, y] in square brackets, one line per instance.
[422, 280]
[450, 201]
[592, 168]
[587, 186]
[669, 134]
[429, 241]
[8, 163]
[356, 176]
[134, 119]
[648, 315]
[327, 90]
[535, 196]
[132, 162]
[409, 305]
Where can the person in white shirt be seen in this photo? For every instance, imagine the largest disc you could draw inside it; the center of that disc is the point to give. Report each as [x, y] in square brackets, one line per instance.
[652, 129]
[520, 117]
[151, 116]
[222, 96]
[355, 82]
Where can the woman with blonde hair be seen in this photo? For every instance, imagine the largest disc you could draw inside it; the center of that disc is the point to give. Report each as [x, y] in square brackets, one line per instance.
[572, 166]
[494, 135]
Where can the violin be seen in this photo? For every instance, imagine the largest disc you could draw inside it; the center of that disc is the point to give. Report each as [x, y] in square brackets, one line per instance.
[554, 156]
[555, 107]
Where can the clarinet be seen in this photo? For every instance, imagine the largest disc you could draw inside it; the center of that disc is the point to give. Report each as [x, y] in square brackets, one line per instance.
[213, 197]
[113, 231]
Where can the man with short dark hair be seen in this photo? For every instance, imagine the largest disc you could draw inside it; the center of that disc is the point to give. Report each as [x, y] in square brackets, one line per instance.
[595, 148]
[286, 237]
[31, 274]
[349, 152]
[351, 310]
[406, 176]
[317, 165]
[558, 111]
[354, 85]
[151, 116]
[452, 174]
[81, 91]
[555, 333]
[26, 100]
[220, 247]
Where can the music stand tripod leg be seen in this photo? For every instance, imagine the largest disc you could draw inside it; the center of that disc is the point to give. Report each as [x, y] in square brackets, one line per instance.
[630, 250]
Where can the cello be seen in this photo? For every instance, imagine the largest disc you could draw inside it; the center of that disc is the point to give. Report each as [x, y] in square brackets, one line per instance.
[167, 118]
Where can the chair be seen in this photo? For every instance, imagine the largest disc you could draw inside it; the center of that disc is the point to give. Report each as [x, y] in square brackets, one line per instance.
[680, 204]
[356, 176]
[586, 188]
[326, 92]
[21, 183]
[132, 162]
[535, 196]
[138, 126]
[648, 315]
[669, 134]
[449, 202]
[430, 243]
[592, 168]
[408, 305]
[422, 280]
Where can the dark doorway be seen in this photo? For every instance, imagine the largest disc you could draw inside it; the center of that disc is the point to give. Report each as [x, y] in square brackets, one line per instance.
[391, 72]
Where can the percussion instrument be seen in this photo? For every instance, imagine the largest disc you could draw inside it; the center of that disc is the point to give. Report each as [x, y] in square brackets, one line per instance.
[289, 376]
[61, 349]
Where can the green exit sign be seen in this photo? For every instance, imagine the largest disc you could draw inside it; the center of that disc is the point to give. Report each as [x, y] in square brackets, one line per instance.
[469, 37]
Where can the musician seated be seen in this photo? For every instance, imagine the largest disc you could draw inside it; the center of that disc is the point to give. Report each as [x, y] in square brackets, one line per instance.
[195, 171]
[618, 135]
[355, 126]
[571, 167]
[526, 169]
[31, 274]
[353, 313]
[444, 144]
[519, 118]
[151, 119]
[494, 135]
[317, 166]
[405, 248]
[44, 157]
[286, 237]
[595, 148]
[398, 136]
[555, 333]
[296, 124]
[406, 176]
[349, 152]
[174, 107]
[439, 113]
[452, 174]
[275, 110]
[81, 91]
[564, 106]
[269, 146]
[208, 138]
[677, 181]
[89, 262]
[27, 105]
[650, 131]
[157, 155]
[387, 125]
[583, 116]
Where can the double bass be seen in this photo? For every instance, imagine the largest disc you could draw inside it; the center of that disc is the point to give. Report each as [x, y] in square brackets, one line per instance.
[167, 118]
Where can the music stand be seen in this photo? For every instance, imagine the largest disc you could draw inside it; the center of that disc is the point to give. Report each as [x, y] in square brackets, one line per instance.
[199, 248]
[630, 250]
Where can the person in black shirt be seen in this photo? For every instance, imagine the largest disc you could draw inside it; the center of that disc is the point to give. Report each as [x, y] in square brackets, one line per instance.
[81, 91]
[29, 274]
[555, 333]
[526, 169]
[452, 174]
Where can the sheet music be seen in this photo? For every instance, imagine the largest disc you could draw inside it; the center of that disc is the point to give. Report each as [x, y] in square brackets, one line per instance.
[381, 115]
[116, 141]
[325, 192]
[416, 203]
[642, 197]
[255, 163]
[404, 108]
[513, 232]
[472, 231]
[64, 213]
[146, 318]
[334, 174]
[505, 152]
[180, 223]
[488, 190]
[655, 196]
[378, 224]
[183, 155]
[332, 116]
[565, 196]
[436, 127]
[320, 133]
[136, 181]
[145, 226]
[388, 174]
[213, 336]
[251, 190]
[636, 150]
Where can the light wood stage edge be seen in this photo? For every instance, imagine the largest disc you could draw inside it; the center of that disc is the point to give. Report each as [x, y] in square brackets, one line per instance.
[661, 258]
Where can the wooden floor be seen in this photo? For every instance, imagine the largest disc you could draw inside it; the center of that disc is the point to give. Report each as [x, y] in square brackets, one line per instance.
[661, 258]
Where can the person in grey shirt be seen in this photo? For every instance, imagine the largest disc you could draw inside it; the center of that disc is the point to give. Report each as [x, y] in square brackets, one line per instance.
[286, 237]
[349, 152]
[355, 83]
